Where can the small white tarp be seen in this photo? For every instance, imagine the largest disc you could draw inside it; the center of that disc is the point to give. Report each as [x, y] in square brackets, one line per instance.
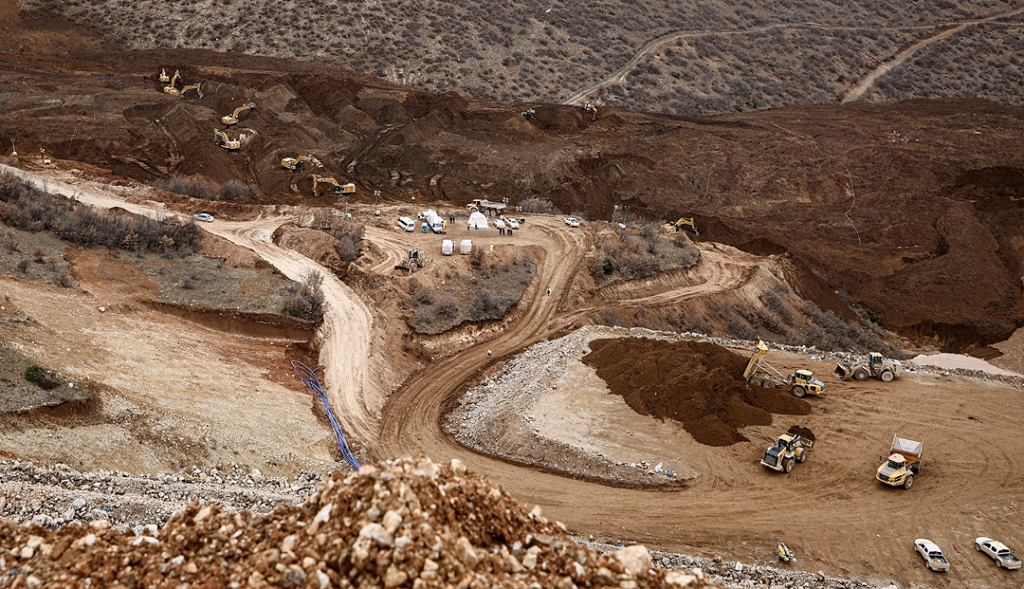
[477, 220]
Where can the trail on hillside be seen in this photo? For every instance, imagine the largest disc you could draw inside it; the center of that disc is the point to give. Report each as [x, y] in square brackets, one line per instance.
[661, 40]
[859, 88]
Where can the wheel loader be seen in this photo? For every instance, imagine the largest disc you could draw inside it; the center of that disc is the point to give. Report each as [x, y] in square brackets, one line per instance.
[801, 383]
[877, 365]
[232, 118]
[787, 451]
[414, 260]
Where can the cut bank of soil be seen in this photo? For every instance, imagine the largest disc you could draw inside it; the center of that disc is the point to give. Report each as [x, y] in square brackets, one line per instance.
[697, 384]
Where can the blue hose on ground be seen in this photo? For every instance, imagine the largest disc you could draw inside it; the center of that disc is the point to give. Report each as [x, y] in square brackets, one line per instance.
[309, 377]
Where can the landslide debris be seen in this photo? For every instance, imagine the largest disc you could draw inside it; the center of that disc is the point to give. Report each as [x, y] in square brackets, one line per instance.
[698, 384]
[402, 523]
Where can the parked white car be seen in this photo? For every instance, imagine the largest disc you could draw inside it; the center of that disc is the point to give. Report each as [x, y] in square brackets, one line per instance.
[572, 222]
[932, 555]
[512, 223]
[999, 553]
[204, 217]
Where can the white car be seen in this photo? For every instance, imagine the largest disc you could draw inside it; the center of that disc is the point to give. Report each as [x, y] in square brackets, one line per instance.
[512, 223]
[572, 222]
[932, 555]
[999, 553]
[204, 217]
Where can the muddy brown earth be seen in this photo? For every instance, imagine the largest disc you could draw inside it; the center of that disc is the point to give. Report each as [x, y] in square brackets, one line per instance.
[913, 210]
[697, 384]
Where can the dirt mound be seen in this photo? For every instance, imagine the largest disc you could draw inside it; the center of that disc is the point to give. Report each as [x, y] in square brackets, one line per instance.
[697, 384]
[400, 524]
[803, 432]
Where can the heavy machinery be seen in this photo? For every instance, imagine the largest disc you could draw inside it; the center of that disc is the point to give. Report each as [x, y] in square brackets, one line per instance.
[903, 465]
[297, 163]
[222, 139]
[528, 114]
[800, 383]
[589, 107]
[170, 87]
[680, 224]
[784, 553]
[163, 76]
[232, 118]
[877, 365]
[339, 188]
[46, 158]
[414, 260]
[787, 451]
[195, 87]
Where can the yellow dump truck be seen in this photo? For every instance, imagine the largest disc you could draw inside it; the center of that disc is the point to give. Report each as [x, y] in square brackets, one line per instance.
[903, 465]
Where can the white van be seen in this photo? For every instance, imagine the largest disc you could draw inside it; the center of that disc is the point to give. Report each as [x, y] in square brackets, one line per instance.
[407, 224]
[466, 247]
[447, 247]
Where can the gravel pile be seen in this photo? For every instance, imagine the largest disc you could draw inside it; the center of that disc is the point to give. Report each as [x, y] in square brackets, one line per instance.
[50, 497]
[401, 523]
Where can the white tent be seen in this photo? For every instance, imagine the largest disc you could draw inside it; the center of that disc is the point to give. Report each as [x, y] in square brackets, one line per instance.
[477, 220]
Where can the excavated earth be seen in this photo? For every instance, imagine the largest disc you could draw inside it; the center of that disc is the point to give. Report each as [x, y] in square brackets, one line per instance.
[913, 209]
[698, 384]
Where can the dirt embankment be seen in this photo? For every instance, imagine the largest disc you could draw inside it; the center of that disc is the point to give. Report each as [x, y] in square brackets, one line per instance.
[698, 384]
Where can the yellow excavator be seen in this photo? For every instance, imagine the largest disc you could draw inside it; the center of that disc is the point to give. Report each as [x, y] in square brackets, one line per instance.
[339, 188]
[195, 87]
[679, 225]
[222, 139]
[297, 163]
[170, 87]
[163, 76]
[232, 118]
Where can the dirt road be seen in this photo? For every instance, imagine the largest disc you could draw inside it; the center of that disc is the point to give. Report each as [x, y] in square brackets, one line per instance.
[858, 89]
[832, 510]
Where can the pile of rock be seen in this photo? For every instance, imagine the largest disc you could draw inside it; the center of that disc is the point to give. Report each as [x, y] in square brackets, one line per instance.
[402, 523]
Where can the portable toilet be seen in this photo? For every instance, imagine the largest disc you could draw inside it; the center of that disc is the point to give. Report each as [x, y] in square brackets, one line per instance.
[466, 247]
[447, 247]
[424, 227]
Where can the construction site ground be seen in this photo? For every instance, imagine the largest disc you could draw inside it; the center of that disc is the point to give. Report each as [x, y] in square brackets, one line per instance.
[171, 391]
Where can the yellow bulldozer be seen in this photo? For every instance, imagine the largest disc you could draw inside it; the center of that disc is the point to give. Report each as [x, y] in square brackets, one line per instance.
[680, 224]
[297, 163]
[232, 118]
[801, 383]
[222, 139]
[339, 188]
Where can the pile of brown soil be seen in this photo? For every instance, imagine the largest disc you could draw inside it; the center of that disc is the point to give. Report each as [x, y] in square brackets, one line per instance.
[400, 524]
[700, 385]
[803, 432]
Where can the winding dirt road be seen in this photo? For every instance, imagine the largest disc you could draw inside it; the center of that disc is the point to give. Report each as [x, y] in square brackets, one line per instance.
[855, 91]
[831, 510]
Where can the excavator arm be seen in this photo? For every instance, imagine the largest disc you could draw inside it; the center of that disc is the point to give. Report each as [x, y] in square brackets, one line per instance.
[232, 118]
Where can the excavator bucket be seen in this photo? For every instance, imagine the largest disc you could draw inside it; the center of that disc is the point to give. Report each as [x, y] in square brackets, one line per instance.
[842, 371]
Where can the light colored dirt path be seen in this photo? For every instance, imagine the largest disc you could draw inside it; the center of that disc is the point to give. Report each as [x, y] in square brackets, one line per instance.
[660, 41]
[857, 90]
[345, 349]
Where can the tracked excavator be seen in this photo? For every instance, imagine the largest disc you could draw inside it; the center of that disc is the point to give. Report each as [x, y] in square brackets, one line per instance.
[163, 76]
[800, 383]
[224, 141]
[680, 224]
[232, 118]
[195, 87]
[339, 188]
[170, 87]
[297, 163]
